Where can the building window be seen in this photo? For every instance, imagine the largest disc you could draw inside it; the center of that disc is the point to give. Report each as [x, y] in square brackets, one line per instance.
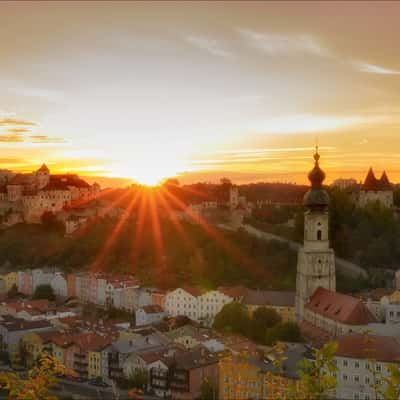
[319, 234]
[345, 363]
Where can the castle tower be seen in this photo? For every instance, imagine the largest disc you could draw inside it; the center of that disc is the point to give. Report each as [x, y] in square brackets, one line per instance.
[43, 176]
[316, 260]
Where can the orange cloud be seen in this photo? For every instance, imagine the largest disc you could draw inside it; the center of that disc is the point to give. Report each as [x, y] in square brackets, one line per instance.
[13, 138]
[17, 130]
[45, 139]
[12, 121]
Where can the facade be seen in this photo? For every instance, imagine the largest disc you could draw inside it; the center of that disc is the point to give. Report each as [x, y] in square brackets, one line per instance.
[182, 301]
[362, 362]
[59, 284]
[149, 315]
[376, 191]
[316, 260]
[186, 374]
[201, 306]
[251, 375]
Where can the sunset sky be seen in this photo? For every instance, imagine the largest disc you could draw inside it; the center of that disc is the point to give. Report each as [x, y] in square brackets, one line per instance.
[202, 90]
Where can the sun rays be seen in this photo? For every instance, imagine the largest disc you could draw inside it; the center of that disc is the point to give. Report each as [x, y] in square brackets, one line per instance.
[147, 209]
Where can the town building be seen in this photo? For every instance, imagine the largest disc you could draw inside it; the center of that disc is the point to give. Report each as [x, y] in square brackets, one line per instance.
[362, 362]
[59, 284]
[149, 315]
[283, 302]
[336, 313]
[186, 373]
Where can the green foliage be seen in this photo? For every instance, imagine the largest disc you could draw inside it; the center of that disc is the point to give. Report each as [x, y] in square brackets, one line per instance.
[196, 257]
[13, 292]
[262, 319]
[317, 377]
[283, 331]
[392, 382]
[44, 292]
[139, 379]
[233, 318]
[208, 390]
[51, 223]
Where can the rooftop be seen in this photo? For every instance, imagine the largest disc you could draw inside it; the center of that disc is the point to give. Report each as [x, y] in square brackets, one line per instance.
[379, 348]
[339, 307]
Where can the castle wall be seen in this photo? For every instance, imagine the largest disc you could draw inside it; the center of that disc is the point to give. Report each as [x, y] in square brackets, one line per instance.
[384, 197]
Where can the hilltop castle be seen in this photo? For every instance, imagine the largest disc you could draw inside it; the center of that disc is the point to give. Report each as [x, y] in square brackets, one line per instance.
[25, 197]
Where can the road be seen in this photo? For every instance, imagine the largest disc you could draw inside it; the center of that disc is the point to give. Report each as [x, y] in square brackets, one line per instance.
[347, 268]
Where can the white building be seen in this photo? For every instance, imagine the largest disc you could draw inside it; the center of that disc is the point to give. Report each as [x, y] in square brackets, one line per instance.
[149, 315]
[59, 284]
[41, 277]
[183, 301]
[201, 306]
[362, 362]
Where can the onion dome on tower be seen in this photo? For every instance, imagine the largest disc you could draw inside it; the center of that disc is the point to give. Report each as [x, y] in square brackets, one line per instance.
[317, 197]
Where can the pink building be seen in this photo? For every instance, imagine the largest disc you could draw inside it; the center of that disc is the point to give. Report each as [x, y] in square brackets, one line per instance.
[158, 298]
[25, 282]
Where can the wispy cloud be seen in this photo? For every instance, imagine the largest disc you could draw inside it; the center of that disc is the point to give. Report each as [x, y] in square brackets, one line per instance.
[16, 122]
[273, 43]
[208, 44]
[374, 69]
[46, 139]
[13, 138]
[18, 130]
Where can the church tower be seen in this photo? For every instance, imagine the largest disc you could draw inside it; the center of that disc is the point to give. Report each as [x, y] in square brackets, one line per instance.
[316, 260]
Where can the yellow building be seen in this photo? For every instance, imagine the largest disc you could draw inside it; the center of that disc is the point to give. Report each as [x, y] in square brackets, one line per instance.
[33, 345]
[281, 301]
[94, 364]
[255, 376]
[240, 377]
[10, 279]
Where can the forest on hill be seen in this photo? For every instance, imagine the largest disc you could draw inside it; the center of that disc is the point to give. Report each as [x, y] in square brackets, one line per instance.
[369, 236]
[165, 256]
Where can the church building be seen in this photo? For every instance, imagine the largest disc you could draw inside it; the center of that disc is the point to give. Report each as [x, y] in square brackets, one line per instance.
[319, 308]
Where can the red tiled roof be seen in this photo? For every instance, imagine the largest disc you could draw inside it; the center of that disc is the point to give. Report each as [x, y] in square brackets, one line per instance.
[339, 307]
[92, 341]
[152, 309]
[233, 291]
[379, 348]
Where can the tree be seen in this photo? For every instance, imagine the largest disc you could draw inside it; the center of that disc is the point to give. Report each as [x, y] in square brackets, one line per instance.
[283, 331]
[44, 292]
[50, 222]
[139, 379]
[208, 390]
[232, 318]
[262, 319]
[37, 384]
[13, 292]
[318, 376]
